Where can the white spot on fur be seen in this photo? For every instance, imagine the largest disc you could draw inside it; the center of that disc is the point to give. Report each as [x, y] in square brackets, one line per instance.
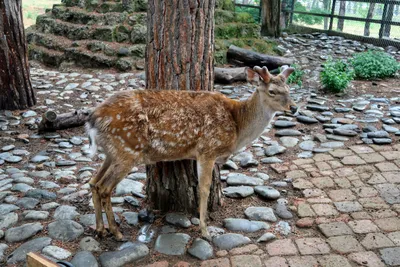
[118, 117]
[128, 134]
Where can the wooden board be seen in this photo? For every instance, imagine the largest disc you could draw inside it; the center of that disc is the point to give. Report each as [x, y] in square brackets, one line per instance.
[36, 260]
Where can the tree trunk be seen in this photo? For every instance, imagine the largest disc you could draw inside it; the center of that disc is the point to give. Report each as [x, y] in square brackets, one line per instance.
[270, 13]
[370, 15]
[15, 86]
[244, 57]
[179, 55]
[389, 17]
[342, 12]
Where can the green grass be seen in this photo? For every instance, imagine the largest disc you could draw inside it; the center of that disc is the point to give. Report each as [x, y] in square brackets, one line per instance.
[32, 8]
[356, 28]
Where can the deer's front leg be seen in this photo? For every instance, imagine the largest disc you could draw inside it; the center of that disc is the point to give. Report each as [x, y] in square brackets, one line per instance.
[204, 172]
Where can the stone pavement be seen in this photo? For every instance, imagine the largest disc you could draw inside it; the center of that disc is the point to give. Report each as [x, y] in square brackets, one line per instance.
[318, 188]
[347, 214]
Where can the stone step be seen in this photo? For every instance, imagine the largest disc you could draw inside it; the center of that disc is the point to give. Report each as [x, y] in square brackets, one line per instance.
[60, 43]
[237, 30]
[120, 33]
[78, 15]
[109, 6]
[48, 57]
[48, 41]
[88, 59]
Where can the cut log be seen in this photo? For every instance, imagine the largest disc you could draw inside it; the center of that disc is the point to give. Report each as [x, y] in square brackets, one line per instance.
[244, 57]
[229, 75]
[52, 121]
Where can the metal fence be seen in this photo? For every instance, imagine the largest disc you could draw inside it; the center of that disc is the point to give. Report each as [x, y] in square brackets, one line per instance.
[250, 6]
[369, 19]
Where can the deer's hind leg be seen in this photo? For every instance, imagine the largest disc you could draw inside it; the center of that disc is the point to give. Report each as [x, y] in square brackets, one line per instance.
[115, 173]
[204, 171]
[96, 197]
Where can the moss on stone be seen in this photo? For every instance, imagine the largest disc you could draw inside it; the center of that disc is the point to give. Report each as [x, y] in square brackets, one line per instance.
[237, 30]
[103, 34]
[225, 5]
[223, 16]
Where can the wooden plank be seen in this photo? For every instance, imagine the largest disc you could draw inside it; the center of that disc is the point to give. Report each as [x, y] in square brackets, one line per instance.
[36, 260]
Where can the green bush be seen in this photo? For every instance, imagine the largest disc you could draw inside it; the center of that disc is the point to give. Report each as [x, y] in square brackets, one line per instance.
[296, 77]
[374, 64]
[336, 75]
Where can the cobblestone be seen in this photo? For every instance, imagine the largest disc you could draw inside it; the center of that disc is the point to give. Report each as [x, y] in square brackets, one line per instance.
[345, 244]
[284, 247]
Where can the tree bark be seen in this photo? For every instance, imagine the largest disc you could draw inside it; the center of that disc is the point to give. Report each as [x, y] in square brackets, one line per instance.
[16, 90]
[179, 55]
[243, 57]
[370, 14]
[327, 4]
[270, 18]
[342, 12]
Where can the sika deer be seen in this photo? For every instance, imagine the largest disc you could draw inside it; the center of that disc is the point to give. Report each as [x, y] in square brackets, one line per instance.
[144, 127]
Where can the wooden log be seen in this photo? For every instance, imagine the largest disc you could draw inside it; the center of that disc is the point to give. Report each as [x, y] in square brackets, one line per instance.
[52, 121]
[244, 57]
[36, 260]
[229, 75]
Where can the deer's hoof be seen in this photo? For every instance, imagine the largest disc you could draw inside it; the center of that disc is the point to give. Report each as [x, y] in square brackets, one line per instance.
[120, 238]
[101, 233]
[206, 236]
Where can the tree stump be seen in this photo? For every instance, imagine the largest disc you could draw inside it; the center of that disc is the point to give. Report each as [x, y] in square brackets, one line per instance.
[179, 56]
[15, 85]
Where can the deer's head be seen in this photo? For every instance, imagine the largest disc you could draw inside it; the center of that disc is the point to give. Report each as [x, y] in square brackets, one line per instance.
[273, 90]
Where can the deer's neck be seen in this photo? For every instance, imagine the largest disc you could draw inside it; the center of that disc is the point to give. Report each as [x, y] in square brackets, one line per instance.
[252, 116]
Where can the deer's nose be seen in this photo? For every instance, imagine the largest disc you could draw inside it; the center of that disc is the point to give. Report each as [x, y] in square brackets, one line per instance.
[293, 109]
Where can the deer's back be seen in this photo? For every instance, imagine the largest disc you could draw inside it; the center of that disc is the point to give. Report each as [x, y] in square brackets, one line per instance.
[166, 125]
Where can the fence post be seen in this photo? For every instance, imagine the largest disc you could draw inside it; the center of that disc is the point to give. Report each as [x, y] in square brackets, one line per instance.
[332, 13]
[383, 20]
[291, 12]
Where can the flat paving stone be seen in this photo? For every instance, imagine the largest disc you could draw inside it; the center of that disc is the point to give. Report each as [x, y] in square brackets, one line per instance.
[301, 261]
[391, 256]
[363, 226]
[348, 206]
[246, 261]
[324, 210]
[376, 240]
[312, 246]
[345, 244]
[334, 261]
[284, 247]
[367, 258]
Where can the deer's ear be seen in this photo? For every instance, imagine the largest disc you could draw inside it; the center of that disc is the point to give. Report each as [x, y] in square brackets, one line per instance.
[286, 71]
[252, 76]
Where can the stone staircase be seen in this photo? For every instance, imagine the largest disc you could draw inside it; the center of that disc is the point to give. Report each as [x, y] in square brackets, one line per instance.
[86, 33]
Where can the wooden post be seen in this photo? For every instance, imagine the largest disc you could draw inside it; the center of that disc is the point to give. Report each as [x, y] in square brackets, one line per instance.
[382, 28]
[36, 260]
[332, 13]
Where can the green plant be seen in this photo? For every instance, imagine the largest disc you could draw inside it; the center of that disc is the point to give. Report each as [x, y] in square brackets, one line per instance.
[374, 64]
[336, 75]
[296, 77]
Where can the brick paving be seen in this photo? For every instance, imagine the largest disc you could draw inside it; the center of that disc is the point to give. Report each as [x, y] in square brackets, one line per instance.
[348, 214]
